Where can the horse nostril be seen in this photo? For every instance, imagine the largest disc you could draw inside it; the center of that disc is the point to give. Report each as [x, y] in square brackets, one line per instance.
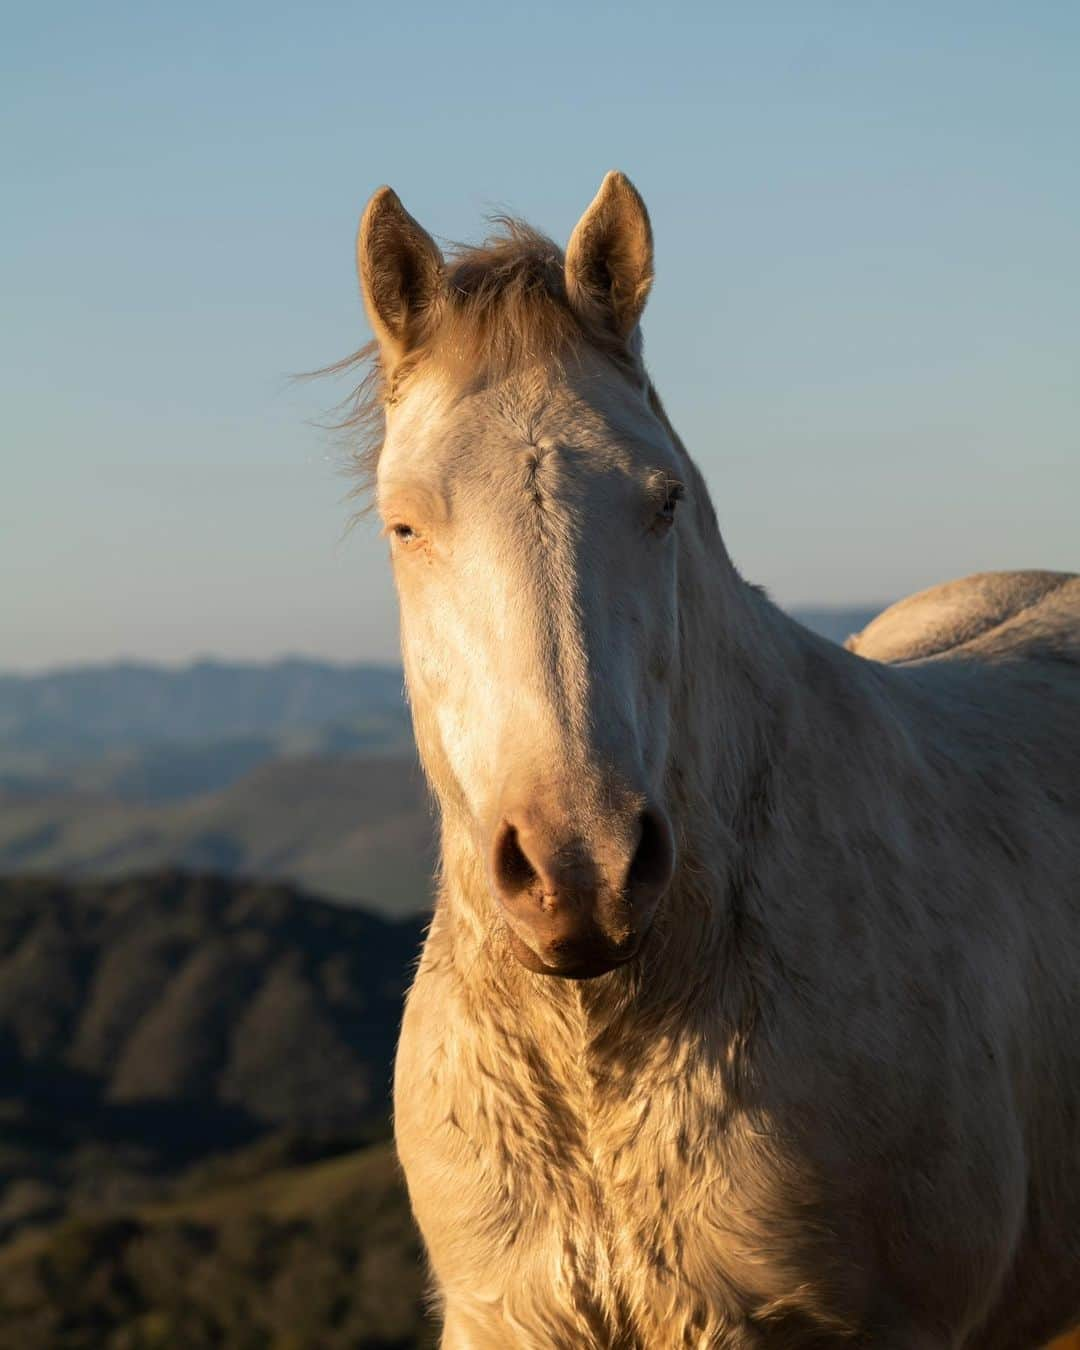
[654, 859]
[513, 871]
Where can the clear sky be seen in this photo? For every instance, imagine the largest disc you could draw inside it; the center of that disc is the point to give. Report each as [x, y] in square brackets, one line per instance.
[865, 320]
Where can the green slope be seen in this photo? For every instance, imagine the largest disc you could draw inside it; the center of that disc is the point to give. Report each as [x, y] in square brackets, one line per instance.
[322, 1257]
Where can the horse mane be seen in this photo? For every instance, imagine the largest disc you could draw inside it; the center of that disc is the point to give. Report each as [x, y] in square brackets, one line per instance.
[502, 308]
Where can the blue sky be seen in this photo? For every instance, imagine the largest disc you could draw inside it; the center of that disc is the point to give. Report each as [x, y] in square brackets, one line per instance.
[864, 322]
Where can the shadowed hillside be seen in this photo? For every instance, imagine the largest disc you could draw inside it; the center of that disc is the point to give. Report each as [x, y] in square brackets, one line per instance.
[150, 1023]
[194, 1094]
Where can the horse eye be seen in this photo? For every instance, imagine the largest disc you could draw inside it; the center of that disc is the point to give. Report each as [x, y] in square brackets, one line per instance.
[675, 493]
[403, 532]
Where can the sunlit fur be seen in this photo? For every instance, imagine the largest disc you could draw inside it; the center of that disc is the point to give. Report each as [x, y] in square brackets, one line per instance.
[836, 1100]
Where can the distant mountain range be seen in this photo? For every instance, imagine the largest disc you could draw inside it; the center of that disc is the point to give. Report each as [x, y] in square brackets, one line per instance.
[148, 733]
[96, 708]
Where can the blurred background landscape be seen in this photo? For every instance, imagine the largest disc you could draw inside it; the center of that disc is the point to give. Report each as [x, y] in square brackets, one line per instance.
[215, 857]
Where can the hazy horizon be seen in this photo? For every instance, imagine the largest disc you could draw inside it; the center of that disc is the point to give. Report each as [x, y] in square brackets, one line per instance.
[863, 324]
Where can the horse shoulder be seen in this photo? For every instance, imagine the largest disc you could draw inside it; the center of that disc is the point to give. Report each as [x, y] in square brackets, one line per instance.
[1044, 606]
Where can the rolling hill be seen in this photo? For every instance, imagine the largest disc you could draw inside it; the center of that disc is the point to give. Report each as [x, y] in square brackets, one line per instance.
[340, 826]
[149, 1023]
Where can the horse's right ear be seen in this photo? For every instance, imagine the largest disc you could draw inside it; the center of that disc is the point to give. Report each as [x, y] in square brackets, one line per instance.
[400, 270]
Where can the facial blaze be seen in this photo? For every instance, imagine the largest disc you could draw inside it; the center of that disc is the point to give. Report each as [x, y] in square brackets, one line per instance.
[537, 585]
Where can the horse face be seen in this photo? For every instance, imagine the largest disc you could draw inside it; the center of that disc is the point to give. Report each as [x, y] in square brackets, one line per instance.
[533, 529]
[530, 493]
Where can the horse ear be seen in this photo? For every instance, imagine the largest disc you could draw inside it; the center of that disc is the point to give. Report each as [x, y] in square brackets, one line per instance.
[609, 259]
[400, 270]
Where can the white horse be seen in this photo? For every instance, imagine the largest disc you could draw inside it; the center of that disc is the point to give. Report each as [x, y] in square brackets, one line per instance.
[750, 1011]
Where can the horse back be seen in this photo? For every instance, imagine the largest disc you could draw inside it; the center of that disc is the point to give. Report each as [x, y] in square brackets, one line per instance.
[991, 614]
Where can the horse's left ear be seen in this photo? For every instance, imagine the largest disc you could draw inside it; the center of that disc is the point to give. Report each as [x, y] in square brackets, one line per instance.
[609, 259]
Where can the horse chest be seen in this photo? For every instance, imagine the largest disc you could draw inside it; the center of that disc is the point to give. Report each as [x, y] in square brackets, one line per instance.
[600, 1215]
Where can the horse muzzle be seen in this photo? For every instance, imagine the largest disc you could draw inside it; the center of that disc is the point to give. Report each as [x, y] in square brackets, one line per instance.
[579, 907]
